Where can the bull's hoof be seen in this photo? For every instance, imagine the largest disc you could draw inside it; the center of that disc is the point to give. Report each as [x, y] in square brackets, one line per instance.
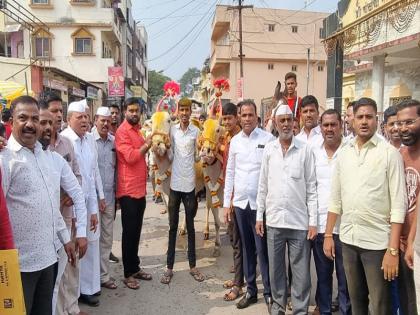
[216, 252]
[206, 236]
[182, 232]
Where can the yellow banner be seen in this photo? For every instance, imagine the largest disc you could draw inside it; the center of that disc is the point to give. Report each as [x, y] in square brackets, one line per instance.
[11, 292]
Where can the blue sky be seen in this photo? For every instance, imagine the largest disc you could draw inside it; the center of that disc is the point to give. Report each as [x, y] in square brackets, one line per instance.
[171, 21]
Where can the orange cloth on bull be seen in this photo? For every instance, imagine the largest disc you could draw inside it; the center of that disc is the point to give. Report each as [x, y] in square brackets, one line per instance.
[131, 164]
[226, 144]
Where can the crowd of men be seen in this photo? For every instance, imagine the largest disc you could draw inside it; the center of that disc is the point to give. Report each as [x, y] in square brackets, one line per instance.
[336, 190]
[58, 199]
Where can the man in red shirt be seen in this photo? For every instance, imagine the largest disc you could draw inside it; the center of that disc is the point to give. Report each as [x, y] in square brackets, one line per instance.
[6, 239]
[6, 117]
[131, 150]
[293, 100]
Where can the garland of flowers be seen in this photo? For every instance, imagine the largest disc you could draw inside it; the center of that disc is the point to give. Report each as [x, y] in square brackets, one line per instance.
[160, 178]
[214, 188]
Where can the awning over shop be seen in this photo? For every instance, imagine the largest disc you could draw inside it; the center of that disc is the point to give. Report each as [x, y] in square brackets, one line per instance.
[10, 90]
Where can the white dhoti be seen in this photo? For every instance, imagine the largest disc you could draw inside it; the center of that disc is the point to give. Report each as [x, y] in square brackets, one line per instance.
[66, 290]
[62, 263]
[106, 238]
[90, 282]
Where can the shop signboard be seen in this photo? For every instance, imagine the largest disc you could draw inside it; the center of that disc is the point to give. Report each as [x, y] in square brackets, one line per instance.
[116, 81]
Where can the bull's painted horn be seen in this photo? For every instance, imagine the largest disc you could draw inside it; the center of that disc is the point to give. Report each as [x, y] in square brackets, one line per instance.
[160, 103]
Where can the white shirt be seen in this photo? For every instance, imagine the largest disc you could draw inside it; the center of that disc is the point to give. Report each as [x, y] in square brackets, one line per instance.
[243, 168]
[315, 136]
[98, 180]
[85, 155]
[65, 178]
[287, 187]
[33, 202]
[324, 167]
[184, 157]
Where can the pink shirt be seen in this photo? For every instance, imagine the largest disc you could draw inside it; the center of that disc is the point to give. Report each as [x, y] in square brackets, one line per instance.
[131, 165]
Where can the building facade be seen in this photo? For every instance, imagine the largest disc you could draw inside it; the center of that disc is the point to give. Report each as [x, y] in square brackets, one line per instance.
[381, 42]
[73, 47]
[275, 42]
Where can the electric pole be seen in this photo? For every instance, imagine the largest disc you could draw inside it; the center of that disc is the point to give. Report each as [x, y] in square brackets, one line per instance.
[241, 55]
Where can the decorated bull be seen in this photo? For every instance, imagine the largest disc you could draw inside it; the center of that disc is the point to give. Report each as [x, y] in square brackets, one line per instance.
[210, 145]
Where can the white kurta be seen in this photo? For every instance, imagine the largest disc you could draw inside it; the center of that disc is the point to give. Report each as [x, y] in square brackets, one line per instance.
[85, 152]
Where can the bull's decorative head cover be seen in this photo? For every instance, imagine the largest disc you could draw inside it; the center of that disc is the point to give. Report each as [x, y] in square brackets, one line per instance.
[220, 85]
[171, 91]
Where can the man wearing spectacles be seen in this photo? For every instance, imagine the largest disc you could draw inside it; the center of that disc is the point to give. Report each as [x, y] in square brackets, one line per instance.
[408, 114]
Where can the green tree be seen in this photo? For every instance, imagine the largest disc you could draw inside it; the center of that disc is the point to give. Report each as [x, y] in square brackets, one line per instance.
[156, 82]
[187, 79]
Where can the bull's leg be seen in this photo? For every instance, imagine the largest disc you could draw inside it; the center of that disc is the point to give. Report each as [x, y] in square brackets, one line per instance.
[215, 211]
[165, 199]
[183, 229]
[206, 231]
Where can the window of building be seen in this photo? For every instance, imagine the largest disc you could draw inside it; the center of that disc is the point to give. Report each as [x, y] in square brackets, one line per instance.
[83, 42]
[320, 68]
[270, 66]
[294, 29]
[40, 1]
[129, 57]
[42, 43]
[294, 68]
[83, 46]
[271, 27]
[396, 100]
[42, 47]
[224, 40]
[321, 32]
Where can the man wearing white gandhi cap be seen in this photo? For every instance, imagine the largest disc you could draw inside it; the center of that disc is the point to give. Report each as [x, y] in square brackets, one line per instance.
[86, 156]
[105, 145]
[289, 203]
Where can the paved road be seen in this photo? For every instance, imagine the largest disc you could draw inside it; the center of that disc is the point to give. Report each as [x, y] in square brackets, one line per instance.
[183, 295]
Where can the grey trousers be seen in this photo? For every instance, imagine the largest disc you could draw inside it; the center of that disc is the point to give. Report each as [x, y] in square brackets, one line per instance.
[366, 282]
[105, 240]
[299, 257]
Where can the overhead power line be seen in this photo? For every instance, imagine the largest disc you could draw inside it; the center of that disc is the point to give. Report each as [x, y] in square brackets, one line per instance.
[165, 29]
[184, 37]
[171, 13]
[194, 39]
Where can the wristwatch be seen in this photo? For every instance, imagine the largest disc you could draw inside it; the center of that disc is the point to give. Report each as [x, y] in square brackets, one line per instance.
[394, 252]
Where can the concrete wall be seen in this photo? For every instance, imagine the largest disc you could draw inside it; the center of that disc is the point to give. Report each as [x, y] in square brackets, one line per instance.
[402, 79]
[91, 68]
[280, 47]
[260, 82]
